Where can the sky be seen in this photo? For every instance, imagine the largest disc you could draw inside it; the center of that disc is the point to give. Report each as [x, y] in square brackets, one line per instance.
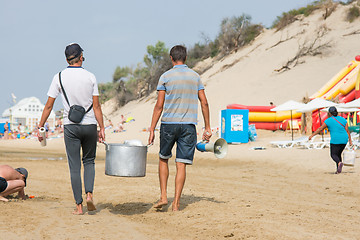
[112, 33]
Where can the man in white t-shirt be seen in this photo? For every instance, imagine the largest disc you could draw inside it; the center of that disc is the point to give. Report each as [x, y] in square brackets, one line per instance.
[81, 89]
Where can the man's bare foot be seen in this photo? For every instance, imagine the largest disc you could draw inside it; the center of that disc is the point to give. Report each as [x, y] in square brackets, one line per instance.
[90, 202]
[3, 199]
[78, 210]
[175, 207]
[160, 204]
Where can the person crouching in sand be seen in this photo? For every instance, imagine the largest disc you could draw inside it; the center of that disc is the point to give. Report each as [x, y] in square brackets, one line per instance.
[12, 181]
[339, 134]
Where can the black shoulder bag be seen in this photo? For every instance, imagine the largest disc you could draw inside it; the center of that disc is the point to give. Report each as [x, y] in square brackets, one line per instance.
[76, 112]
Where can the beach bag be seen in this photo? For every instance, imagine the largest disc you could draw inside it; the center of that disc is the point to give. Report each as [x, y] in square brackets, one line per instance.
[252, 132]
[349, 157]
[76, 112]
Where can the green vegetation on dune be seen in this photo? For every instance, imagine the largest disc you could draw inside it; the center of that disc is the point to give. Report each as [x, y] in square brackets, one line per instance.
[353, 13]
[131, 83]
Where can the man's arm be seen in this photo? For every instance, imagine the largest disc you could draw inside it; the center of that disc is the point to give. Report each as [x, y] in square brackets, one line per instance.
[99, 117]
[45, 114]
[206, 114]
[156, 115]
[21, 194]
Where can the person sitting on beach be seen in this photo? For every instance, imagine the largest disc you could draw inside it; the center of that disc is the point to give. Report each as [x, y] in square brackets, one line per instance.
[339, 134]
[120, 126]
[12, 181]
[121, 123]
[110, 125]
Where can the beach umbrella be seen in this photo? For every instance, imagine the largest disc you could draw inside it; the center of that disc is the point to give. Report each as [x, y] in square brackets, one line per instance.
[352, 104]
[342, 109]
[289, 106]
[317, 103]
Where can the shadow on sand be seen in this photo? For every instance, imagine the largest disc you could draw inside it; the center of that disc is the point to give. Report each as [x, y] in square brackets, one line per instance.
[134, 208]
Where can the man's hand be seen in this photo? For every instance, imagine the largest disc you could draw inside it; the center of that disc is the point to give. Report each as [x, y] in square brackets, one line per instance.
[101, 135]
[21, 194]
[151, 137]
[207, 134]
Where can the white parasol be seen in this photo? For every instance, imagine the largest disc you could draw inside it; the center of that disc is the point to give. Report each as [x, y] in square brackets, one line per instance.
[317, 103]
[289, 106]
[352, 104]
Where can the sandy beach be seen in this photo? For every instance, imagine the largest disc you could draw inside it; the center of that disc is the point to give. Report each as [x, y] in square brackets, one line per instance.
[251, 194]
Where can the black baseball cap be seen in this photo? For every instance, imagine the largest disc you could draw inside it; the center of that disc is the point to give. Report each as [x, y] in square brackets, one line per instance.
[333, 111]
[23, 171]
[72, 51]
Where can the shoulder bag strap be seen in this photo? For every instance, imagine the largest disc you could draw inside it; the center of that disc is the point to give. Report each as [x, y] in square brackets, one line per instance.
[89, 108]
[338, 122]
[62, 88]
[67, 100]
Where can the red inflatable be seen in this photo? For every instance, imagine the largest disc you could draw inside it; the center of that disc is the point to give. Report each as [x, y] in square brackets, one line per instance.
[348, 97]
[316, 121]
[250, 108]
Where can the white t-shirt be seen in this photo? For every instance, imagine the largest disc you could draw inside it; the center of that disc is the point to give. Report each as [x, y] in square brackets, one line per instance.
[80, 87]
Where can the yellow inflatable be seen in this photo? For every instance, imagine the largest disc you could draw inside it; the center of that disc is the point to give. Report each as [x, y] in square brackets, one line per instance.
[349, 85]
[333, 81]
[272, 116]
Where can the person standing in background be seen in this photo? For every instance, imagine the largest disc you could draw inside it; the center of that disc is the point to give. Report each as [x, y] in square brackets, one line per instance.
[6, 131]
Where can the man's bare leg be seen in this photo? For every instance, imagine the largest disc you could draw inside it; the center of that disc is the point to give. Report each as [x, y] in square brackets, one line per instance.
[90, 202]
[78, 210]
[13, 187]
[163, 178]
[179, 184]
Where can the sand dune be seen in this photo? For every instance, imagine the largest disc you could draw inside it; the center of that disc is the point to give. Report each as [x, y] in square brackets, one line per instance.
[248, 76]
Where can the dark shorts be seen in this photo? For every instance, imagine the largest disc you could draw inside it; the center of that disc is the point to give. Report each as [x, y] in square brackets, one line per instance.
[184, 135]
[3, 184]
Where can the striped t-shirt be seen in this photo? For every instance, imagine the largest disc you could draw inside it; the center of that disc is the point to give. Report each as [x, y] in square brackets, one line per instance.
[181, 85]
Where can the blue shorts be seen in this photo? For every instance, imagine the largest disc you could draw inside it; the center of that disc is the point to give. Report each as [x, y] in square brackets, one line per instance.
[184, 135]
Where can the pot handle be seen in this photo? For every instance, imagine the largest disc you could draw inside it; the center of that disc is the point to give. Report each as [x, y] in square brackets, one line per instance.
[149, 145]
[106, 146]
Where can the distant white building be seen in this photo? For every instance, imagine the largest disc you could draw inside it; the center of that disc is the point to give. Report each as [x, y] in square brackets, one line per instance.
[28, 112]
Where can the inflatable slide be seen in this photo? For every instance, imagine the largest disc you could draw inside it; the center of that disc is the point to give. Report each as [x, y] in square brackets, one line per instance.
[343, 87]
[263, 118]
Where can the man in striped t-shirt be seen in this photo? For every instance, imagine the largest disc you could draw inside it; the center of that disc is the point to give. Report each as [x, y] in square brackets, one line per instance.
[178, 92]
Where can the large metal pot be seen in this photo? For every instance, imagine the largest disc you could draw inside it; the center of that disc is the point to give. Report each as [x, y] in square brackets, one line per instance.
[125, 161]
